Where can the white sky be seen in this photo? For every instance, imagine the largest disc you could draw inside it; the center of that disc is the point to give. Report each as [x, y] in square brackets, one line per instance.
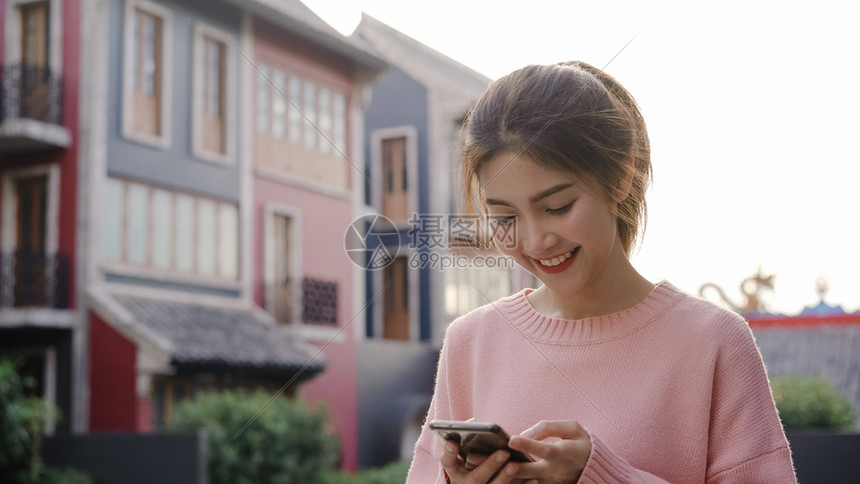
[753, 109]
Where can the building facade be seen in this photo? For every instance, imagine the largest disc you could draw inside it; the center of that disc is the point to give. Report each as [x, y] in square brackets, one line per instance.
[39, 166]
[435, 273]
[176, 180]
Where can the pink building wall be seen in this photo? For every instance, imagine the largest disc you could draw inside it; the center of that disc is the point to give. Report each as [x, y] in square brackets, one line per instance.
[324, 220]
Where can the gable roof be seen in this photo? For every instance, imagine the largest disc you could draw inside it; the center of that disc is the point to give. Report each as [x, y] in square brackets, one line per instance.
[428, 66]
[295, 16]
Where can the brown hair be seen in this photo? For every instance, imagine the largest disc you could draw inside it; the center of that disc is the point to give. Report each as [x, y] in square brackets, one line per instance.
[571, 117]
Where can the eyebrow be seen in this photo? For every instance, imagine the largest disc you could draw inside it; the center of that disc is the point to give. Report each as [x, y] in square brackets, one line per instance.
[536, 198]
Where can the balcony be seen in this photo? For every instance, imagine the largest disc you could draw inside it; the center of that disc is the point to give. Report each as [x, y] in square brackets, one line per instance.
[34, 280]
[318, 302]
[31, 109]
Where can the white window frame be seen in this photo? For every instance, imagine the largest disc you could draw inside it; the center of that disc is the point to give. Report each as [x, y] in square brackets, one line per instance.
[376, 138]
[201, 32]
[12, 37]
[128, 132]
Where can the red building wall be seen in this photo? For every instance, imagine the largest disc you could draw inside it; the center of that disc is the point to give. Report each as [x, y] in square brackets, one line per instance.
[113, 401]
[68, 159]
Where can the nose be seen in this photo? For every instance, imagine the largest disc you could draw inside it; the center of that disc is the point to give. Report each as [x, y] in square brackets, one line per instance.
[535, 238]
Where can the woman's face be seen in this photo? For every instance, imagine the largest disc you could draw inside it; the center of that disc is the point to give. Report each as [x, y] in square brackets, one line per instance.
[556, 225]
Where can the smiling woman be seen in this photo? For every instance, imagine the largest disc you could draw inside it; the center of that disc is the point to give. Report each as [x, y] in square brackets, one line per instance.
[614, 378]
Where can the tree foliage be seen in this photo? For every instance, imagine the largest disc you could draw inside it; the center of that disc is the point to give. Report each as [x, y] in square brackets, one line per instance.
[22, 424]
[277, 440]
[812, 402]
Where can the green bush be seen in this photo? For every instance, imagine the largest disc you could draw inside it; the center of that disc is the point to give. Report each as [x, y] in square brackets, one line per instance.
[812, 402]
[22, 422]
[284, 442]
[393, 473]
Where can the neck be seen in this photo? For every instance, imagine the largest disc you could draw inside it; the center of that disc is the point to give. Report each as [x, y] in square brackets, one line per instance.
[618, 287]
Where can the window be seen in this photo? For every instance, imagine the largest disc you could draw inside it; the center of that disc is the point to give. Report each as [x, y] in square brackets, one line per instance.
[214, 101]
[162, 227]
[206, 237]
[213, 109]
[325, 121]
[184, 233]
[147, 67]
[279, 104]
[228, 248]
[263, 98]
[138, 223]
[470, 288]
[309, 106]
[282, 284]
[295, 96]
[395, 201]
[35, 32]
[396, 300]
[146, 87]
[169, 231]
[340, 123]
[112, 217]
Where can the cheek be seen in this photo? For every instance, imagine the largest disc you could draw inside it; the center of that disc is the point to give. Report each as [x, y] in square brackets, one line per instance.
[505, 238]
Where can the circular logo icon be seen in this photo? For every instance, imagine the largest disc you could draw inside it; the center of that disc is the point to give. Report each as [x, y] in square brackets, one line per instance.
[372, 242]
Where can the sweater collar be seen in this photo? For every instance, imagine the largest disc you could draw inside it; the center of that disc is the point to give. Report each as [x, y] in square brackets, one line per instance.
[545, 329]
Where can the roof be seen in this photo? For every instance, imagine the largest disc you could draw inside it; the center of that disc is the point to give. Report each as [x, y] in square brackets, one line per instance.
[296, 17]
[814, 348]
[418, 60]
[200, 334]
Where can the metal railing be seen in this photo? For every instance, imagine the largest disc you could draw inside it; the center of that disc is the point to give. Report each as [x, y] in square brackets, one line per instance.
[318, 301]
[32, 92]
[30, 279]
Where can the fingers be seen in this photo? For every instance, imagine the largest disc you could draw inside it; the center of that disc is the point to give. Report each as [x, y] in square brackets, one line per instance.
[564, 429]
[474, 460]
[495, 465]
[535, 448]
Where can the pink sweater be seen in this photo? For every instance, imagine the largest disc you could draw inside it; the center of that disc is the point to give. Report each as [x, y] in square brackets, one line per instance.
[672, 389]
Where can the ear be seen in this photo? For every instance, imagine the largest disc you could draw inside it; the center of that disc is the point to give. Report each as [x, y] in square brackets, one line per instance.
[625, 182]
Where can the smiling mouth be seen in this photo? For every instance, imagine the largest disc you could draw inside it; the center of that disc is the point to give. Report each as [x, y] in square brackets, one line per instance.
[557, 260]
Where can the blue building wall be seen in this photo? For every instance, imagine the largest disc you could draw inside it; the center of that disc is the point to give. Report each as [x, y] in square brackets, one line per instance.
[398, 100]
[395, 379]
[174, 167]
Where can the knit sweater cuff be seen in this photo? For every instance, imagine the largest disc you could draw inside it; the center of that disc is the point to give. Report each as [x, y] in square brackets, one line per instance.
[606, 467]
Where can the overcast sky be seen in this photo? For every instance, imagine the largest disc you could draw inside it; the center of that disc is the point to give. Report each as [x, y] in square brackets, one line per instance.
[753, 110]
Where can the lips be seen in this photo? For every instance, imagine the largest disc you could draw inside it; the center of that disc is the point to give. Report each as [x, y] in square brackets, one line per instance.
[557, 263]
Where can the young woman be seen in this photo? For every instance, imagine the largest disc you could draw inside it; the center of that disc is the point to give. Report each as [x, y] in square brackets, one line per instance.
[599, 374]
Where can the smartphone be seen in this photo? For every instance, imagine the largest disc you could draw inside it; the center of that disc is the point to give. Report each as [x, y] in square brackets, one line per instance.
[476, 437]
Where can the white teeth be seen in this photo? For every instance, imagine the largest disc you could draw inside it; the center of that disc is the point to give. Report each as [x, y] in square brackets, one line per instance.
[556, 260]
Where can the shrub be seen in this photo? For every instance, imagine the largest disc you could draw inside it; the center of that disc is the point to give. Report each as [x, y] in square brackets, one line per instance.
[393, 473]
[22, 421]
[284, 441]
[812, 402]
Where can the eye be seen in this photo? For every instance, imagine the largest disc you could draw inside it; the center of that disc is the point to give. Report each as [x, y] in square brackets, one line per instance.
[561, 210]
[502, 220]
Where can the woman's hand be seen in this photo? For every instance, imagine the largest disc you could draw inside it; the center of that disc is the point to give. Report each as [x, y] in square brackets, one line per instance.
[558, 462]
[492, 469]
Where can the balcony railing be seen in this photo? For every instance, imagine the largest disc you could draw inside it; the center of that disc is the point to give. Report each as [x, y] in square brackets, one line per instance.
[29, 279]
[31, 92]
[318, 301]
